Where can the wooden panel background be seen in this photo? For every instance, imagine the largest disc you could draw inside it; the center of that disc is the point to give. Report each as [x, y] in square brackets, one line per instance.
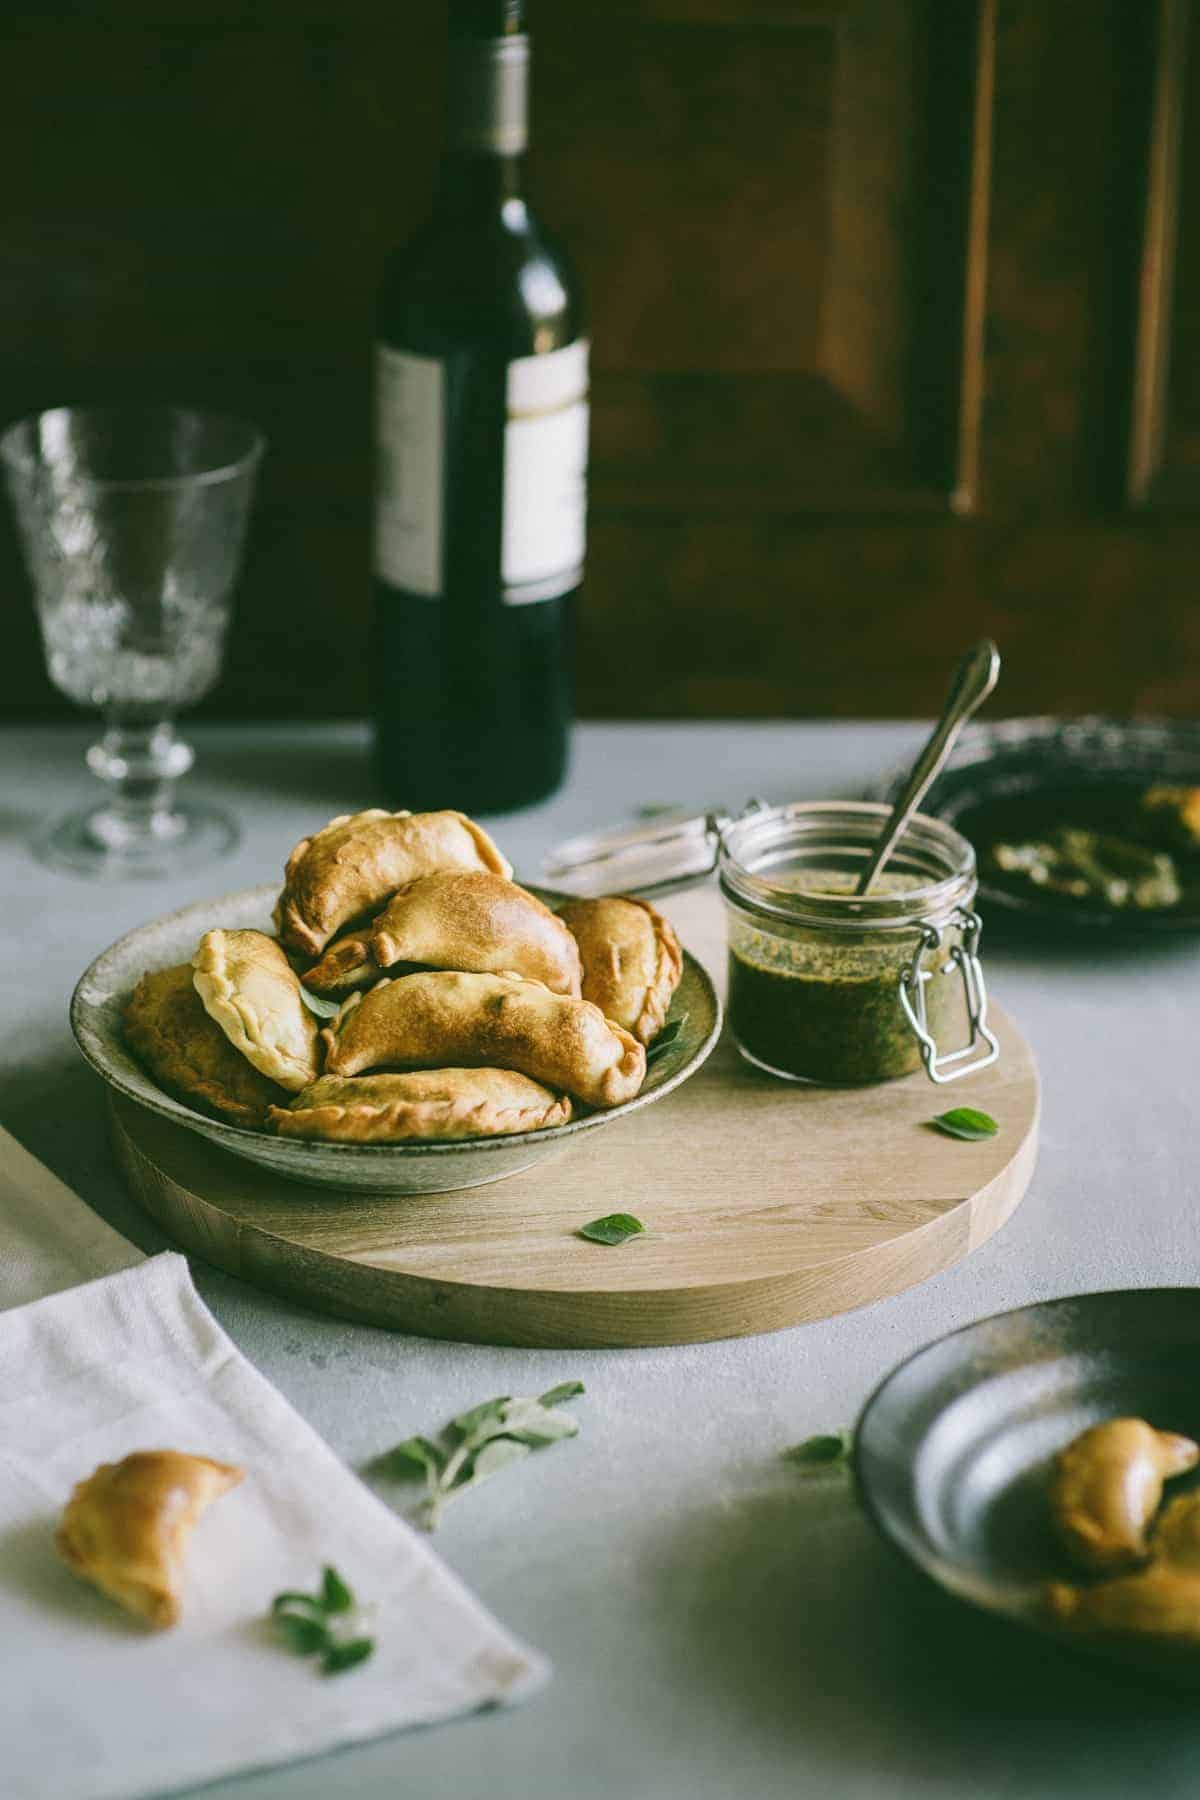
[896, 324]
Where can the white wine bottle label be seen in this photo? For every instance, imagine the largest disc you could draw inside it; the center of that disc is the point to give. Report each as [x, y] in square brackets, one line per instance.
[410, 438]
[545, 474]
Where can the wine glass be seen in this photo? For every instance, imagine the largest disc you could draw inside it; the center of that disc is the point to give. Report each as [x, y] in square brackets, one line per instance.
[132, 522]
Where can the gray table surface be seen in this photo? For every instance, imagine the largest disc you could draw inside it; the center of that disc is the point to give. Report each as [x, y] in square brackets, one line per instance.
[718, 1626]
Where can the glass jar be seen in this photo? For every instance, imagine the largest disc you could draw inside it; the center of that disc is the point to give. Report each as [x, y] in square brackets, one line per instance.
[828, 987]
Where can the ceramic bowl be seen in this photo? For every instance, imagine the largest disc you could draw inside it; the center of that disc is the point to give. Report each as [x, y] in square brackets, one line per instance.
[425, 1168]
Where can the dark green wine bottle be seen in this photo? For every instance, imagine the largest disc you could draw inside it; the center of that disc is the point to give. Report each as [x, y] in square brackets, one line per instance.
[481, 419]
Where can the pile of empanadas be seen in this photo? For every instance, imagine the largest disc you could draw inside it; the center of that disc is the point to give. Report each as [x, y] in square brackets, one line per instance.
[467, 1007]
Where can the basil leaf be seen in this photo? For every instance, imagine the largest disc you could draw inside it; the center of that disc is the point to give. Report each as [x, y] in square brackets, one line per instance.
[828, 1450]
[665, 1038]
[303, 1604]
[335, 1595]
[616, 1228]
[489, 1411]
[345, 1656]
[320, 1008]
[421, 1454]
[304, 1635]
[966, 1122]
[566, 1390]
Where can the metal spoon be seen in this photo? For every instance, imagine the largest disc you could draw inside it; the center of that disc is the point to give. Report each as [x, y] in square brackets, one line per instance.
[970, 685]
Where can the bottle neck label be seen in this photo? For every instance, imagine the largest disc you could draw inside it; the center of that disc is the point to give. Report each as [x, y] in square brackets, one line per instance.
[488, 98]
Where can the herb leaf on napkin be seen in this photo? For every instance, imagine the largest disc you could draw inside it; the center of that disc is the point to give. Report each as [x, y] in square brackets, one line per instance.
[328, 1624]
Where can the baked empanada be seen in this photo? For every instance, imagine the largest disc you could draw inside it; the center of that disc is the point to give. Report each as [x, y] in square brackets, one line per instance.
[345, 965]
[354, 863]
[174, 1039]
[1161, 1602]
[478, 922]
[251, 991]
[426, 1103]
[441, 1020]
[127, 1526]
[631, 960]
[1106, 1487]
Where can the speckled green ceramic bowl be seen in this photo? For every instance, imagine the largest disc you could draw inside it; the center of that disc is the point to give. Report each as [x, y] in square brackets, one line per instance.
[431, 1168]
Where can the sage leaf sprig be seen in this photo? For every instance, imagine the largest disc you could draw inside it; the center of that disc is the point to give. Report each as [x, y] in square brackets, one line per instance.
[614, 1228]
[823, 1454]
[484, 1440]
[329, 1624]
[665, 1038]
[966, 1122]
[319, 1007]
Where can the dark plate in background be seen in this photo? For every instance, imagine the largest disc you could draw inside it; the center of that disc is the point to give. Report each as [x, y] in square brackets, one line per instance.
[1015, 778]
[953, 1450]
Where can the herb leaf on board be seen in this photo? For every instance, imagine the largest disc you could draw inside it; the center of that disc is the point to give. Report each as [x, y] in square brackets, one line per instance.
[485, 1439]
[966, 1122]
[827, 1451]
[614, 1228]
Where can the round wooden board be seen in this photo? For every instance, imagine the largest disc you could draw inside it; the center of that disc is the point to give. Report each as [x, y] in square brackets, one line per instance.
[765, 1204]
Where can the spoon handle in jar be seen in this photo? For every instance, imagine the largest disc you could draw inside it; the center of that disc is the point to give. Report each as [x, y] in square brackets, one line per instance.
[970, 685]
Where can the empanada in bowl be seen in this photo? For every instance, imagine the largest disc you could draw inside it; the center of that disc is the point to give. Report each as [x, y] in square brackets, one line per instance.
[127, 1526]
[631, 959]
[177, 1043]
[345, 965]
[354, 863]
[251, 991]
[425, 1103]
[478, 922]
[441, 1019]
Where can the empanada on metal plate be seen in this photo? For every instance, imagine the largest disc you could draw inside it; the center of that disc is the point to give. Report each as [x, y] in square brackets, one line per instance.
[423, 1104]
[631, 959]
[185, 1051]
[441, 1019]
[479, 922]
[357, 861]
[250, 990]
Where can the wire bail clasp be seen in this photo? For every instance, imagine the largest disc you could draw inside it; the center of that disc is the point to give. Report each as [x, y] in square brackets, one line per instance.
[964, 958]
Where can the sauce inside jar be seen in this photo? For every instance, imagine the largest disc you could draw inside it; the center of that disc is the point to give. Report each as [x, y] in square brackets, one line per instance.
[826, 1007]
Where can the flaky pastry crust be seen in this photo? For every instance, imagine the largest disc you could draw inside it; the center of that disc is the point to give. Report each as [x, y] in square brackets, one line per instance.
[478, 922]
[353, 864]
[423, 1104]
[250, 990]
[443, 1019]
[177, 1043]
[126, 1528]
[631, 959]
[1106, 1487]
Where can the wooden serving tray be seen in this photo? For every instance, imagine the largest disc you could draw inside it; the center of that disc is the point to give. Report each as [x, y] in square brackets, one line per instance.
[765, 1203]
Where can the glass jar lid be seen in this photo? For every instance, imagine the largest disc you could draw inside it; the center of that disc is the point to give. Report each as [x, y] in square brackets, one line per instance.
[670, 850]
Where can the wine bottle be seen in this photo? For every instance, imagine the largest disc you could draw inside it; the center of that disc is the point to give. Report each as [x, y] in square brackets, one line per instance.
[481, 423]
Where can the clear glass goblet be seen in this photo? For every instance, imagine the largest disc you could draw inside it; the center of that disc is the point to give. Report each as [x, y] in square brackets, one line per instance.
[132, 522]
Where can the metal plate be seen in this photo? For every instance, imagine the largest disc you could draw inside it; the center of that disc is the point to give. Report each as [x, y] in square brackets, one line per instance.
[1021, 775]
[953, 1450]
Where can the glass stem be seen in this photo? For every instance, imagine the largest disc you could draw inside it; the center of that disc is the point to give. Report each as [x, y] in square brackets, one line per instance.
[141, 759]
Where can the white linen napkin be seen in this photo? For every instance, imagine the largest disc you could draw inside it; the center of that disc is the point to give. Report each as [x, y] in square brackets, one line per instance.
[93, 1706]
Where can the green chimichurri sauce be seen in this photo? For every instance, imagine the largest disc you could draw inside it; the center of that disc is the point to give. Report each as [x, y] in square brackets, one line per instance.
[824, 1005]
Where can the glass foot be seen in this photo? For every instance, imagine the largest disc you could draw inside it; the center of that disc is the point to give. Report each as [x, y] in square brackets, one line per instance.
[100, 841]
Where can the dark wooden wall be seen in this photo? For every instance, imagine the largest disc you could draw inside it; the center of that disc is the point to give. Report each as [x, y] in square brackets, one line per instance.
[896, 333]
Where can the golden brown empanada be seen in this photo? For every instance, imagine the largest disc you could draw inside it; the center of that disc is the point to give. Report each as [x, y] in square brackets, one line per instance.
[354, 863]
[426, 1103]
[631, 960]
[127, 1526]
[439, 1020]
[174, 1039]
[478, 922]
[1161, 1602]
[1106, 1487]
[251, 991]
[345, 965]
